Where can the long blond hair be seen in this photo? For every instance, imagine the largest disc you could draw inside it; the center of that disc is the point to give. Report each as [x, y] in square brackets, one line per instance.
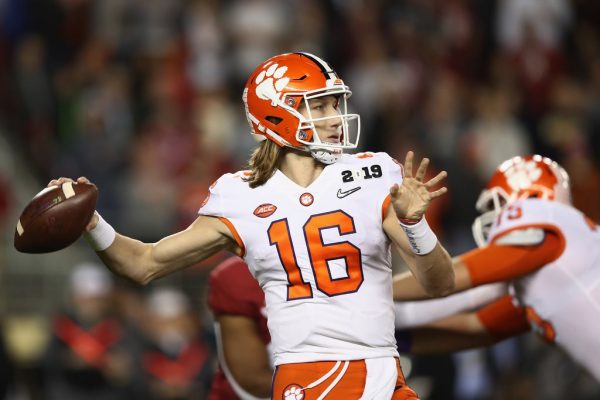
[263, 162]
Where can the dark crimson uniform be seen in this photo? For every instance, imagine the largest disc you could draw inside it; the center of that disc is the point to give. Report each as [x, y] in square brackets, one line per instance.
[233, 290]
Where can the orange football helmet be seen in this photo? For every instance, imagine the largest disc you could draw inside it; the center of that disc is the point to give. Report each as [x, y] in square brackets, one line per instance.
[275, 91]
[516, 179]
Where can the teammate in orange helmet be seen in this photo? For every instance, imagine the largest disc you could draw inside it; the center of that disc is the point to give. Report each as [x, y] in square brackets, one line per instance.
[315, 226]
[533, 238]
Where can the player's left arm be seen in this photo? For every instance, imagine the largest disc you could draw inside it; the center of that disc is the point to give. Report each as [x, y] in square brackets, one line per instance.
[503, 260]
[426, 258]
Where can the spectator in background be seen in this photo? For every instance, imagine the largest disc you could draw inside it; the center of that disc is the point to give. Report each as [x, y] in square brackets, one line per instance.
[176, 362]
[6, 368]
[566, 132]
[89, 354]
[255, 27]
[31, 90]
[494, 134]
[548, 20]
[529, 32]
[207, 47]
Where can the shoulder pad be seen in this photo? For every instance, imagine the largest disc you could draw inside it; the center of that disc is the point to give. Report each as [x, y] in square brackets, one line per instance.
[242, 174]
[366, 154]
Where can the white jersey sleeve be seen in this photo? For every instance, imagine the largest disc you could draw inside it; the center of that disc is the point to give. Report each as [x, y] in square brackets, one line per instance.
[217, 203]
[225, 201]
[415, 313]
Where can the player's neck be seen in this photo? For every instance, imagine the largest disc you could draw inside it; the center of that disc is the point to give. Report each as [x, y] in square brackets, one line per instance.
[300, 167]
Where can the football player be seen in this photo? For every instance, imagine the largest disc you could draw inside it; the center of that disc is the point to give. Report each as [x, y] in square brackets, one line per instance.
[315, 226]
[549, 252]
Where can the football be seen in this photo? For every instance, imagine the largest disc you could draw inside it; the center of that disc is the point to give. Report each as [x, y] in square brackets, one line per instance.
[55, 217]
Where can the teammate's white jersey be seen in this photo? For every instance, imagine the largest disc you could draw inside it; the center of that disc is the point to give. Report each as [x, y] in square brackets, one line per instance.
[563, 297]
[321, 256]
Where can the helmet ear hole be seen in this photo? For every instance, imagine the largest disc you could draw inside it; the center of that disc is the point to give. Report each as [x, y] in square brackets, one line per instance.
[274, 120]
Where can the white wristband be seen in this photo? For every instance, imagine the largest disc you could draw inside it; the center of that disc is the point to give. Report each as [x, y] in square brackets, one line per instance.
[420, 236]
[102, 236]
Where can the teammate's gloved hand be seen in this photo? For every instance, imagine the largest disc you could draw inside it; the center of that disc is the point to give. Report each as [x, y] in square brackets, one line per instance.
[411, 199]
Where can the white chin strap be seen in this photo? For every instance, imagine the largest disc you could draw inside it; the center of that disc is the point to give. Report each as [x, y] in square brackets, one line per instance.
[325, 156]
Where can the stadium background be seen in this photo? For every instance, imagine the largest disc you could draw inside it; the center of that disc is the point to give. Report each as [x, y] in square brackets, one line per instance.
[144, 98]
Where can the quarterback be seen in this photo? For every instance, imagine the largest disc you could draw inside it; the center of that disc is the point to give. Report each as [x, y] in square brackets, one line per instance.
[315, 225]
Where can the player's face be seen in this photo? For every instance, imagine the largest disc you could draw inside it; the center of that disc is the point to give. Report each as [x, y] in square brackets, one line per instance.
[329, 129]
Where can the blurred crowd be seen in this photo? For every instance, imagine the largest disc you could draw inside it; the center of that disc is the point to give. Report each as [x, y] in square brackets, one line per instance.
[109, 341]
[144, 98]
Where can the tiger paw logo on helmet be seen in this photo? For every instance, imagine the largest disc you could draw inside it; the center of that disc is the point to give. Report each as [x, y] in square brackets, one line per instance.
[293, 392]
[270, 82]
[522, 175]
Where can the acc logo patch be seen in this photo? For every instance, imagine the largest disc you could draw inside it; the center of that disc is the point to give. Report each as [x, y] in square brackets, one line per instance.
[265, 210]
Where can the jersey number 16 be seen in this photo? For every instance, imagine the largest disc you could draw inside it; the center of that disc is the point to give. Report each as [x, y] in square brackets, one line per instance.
[319, 254]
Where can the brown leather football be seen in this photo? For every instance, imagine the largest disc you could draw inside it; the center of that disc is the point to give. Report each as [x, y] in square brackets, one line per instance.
[55, 217]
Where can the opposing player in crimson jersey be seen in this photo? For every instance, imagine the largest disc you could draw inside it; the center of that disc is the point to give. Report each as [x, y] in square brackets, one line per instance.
[548, 252]
[238, 304]
[315, 226]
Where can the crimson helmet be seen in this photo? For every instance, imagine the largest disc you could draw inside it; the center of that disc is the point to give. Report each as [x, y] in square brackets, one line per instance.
[515, 179]
[275, 91]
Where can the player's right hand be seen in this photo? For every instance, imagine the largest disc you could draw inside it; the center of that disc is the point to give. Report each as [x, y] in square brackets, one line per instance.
[58, 182]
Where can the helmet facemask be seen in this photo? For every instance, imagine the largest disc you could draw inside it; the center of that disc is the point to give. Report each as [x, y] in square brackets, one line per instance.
[489, 204]
[307, 133]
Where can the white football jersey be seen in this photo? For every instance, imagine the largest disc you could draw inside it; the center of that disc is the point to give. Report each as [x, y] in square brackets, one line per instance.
[321, 256]
[562, 298]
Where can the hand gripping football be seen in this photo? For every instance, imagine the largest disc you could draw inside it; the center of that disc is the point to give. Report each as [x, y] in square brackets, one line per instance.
[55, 217]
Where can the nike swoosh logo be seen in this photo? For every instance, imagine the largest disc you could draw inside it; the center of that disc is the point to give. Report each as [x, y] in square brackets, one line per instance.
[348, 192]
